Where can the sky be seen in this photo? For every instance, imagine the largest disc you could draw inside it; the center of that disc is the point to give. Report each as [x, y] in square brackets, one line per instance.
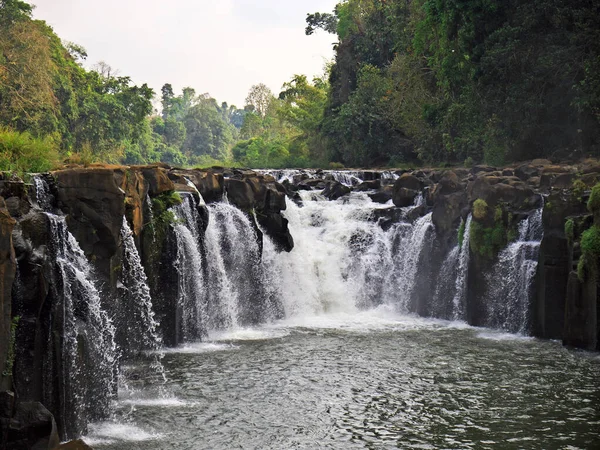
[222, 47]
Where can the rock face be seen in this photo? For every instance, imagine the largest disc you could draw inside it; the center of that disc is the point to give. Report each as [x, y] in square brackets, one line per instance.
[8, 268]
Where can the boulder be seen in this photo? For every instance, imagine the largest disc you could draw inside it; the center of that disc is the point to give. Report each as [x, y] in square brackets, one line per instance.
[383, 195]
[276, 226]
[368, 186]
[447, 211]
[408, 181]
[158, 180]
[34, 426]
[239, 193]
[335, 190]
[404, 197]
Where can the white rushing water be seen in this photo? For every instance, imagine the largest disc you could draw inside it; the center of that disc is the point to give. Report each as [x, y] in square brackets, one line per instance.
[510, 282]
[460, 293]
[143, 327]
[343, 261]
[89, 370]
[188, 263]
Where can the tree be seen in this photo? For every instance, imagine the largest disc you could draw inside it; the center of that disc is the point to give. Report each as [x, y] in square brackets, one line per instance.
[259, 99]
[324, 21]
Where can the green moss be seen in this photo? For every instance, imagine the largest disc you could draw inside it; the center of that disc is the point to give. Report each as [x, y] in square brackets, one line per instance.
[10, 358]
[480, 208]
[498, 214]
[570, 230]
[488, 241]
[579, 188]
[590, 253]
[594, 201]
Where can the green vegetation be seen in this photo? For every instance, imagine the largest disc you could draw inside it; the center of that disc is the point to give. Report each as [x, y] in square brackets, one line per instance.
[425, 81]
[10, 358]
[570, 231]
[462, 81]
[590, 253]
[21, 152]
[461, 233]
[579, 188]
[488, 241]
[594, 201]
[480, 209]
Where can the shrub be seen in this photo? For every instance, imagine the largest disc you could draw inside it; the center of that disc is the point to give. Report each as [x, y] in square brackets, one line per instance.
[336, 165]
[579, 188]
[469, 162]
[570, 230]
[590, 253]
[480, 208]
[21, 152]
[594, 201]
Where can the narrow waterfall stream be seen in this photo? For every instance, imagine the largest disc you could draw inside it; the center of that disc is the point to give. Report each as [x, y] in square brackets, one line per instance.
[341, 360]
[89, 351]
[511, 280]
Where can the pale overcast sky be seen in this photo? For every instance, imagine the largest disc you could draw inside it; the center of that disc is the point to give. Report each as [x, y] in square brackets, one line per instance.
[218, 46]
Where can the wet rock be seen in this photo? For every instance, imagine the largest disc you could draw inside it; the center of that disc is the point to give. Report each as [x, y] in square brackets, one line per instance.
[447, 211]
[403, 197]
[34, 426]
[335, 190]
[74, 445]
[8, 267]
[383, 195]
[408, 181]
[239, 193]
[276, 226]
[581, 314]
[368, 186]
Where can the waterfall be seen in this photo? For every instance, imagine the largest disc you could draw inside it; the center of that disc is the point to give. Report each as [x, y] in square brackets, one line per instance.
[344, 261]
[234, 268]
[150, 220]
[43, 198]
[459, 300]
[140, 328]
[409, 242]
[510, 281]
[89, 352]
[191, 287]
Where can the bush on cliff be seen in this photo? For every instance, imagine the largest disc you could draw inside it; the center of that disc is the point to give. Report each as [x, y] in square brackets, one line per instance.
[21, 152]
[480, 208]
[594, 201]
[587, 269]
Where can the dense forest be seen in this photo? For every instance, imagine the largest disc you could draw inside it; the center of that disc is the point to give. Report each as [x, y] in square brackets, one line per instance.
[412, 82]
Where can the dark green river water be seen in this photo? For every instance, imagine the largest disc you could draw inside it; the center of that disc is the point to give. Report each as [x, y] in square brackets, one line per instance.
[364, 381]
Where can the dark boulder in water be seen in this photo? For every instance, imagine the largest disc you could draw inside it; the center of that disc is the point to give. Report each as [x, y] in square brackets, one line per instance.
[335, 190]
[32, 427]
